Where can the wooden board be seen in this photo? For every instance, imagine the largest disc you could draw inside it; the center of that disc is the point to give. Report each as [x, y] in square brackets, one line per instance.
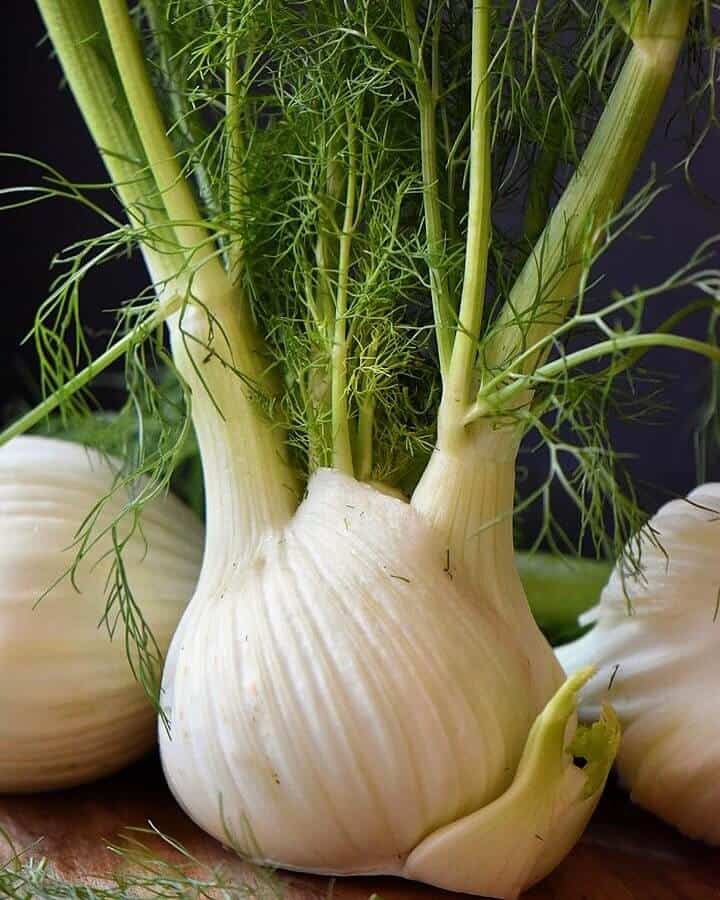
[624, 855]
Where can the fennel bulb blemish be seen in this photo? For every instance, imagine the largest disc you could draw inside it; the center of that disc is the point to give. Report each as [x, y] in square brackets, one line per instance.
[656, 644]
[71, 709]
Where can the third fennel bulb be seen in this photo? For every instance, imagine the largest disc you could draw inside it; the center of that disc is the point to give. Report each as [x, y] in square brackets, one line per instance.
[656, 643]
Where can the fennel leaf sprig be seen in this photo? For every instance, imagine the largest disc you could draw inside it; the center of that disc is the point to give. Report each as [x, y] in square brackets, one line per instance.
[149, 863]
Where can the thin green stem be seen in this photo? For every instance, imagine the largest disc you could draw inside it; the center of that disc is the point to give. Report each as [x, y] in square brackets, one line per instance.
[668, 325]
[325, 252]
[599, 319]
[552, 370]
[323, 295]
[628, 342]
[366, 403]
[366, 424]
[162, 158]
[235, 141]
[439, 92]
[342, 450]
[443, 306]
[464, 352]
[43, 409]
[187, 119]
[540, 297]
[321, 305]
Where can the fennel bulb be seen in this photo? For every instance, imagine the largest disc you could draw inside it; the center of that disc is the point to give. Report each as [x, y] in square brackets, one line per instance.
[369, 698]
[655, 643]
[71, 709]
[357, 684]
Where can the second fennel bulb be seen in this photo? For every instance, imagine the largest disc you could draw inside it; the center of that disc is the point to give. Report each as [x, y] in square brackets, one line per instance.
[71, 709]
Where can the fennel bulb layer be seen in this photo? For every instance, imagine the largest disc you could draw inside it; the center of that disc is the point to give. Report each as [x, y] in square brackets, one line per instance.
[71, 709]
[656, 644]
[342, 695]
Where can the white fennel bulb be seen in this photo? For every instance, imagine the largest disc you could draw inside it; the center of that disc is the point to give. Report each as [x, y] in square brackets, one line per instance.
[656, 645]
[71, 709]
[352, 689]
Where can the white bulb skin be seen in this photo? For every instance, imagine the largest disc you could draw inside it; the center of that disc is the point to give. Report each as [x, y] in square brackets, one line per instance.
[341, 696]
[656, 645]
[71, 710]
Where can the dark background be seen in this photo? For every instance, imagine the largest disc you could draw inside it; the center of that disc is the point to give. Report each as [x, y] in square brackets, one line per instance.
[40, 121]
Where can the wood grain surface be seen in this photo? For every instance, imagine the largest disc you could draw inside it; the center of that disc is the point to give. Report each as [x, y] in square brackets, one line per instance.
[624, 855]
